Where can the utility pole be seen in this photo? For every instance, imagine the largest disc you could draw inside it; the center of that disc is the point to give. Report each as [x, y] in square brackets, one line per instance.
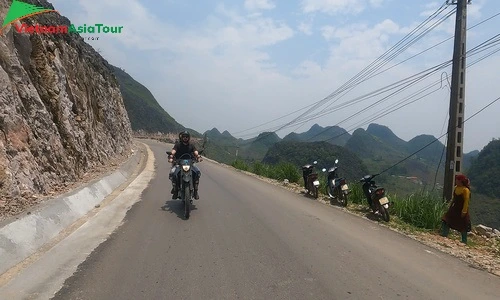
[454, 149]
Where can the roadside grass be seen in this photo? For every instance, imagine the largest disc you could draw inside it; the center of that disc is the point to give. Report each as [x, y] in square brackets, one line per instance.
[281, 171]
[422, 209]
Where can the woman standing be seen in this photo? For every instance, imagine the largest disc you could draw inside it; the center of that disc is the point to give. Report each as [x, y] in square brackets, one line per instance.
[457, 217]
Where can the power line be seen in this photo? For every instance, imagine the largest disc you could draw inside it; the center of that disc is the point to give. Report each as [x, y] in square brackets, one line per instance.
[479, 48]
[404, 82]
[350, 84]
[482, 47]
[437, 139]
[354, 127]
[472, 52]
[276, 128]
[343, 87]
[475, 51]
[444, 148]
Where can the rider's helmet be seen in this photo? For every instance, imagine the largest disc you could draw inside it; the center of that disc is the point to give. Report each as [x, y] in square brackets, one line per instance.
[184, 137]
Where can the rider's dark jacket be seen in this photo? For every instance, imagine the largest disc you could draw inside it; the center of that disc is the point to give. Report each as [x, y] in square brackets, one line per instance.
[181, 149]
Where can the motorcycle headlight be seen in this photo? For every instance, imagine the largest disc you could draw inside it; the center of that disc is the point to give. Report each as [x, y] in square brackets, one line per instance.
[186, 168]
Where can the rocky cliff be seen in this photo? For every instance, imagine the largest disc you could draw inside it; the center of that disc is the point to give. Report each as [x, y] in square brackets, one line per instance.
[61, 111]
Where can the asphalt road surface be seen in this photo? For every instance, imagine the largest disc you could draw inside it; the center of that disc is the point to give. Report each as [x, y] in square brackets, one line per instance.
[247, 239]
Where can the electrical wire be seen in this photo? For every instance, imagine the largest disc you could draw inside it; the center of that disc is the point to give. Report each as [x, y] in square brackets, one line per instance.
[415, 78]
[388, 112]
[348, 84]
[480, 48]
[276, 128]
[437, 139]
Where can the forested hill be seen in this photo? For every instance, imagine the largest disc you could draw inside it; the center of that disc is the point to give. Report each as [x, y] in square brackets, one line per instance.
[484, 171]
[143, 110]
[484, 174]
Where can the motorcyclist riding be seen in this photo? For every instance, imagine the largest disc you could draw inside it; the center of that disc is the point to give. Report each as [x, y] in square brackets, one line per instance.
[182, 147]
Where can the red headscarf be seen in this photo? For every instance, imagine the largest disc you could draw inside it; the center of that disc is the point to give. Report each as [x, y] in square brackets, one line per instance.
[462, 178]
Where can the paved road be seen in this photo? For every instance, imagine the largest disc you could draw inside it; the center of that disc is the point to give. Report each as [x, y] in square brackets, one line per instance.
[250, 240]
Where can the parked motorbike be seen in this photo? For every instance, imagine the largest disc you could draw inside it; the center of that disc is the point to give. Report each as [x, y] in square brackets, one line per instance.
[311, 182]
[186, 188]
[336, 187]
[375, 196]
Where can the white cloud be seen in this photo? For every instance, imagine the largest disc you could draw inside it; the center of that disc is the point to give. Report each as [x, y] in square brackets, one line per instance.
[308, 69]
[327, 32]
[338, 6]
[376, 3]
[360, 40]
[259, 4]
[333, 6]
[305, 28]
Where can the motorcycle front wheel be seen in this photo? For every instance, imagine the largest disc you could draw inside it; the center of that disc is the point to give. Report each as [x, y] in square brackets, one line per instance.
[187, 202]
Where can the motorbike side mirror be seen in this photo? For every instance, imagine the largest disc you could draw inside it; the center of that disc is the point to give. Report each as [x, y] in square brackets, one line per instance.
[324, 170]
[337, 161]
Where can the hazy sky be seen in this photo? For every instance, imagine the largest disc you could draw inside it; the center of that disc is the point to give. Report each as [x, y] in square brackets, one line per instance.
[237, 64]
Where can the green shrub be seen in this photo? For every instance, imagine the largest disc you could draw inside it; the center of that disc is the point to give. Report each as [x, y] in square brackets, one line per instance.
[241, 165]
[260, 169]
[422, 209]
[287, 171]
[356, 194]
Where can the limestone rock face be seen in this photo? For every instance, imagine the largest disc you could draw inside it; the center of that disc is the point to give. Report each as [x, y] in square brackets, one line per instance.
[61, 110]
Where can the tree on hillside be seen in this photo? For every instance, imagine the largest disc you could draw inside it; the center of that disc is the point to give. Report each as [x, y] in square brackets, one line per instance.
[484, 171]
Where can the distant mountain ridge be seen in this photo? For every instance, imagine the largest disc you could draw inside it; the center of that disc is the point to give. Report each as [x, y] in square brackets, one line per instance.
[227, 148]
[377, 146]
[332, 134]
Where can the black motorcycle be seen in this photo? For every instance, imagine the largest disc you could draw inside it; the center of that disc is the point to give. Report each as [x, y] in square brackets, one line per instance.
[311, 182]
[375, 196]
[186, 188]
[336, 187]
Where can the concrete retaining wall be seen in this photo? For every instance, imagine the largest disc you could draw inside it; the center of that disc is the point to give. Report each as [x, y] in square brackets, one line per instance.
[22, 237]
